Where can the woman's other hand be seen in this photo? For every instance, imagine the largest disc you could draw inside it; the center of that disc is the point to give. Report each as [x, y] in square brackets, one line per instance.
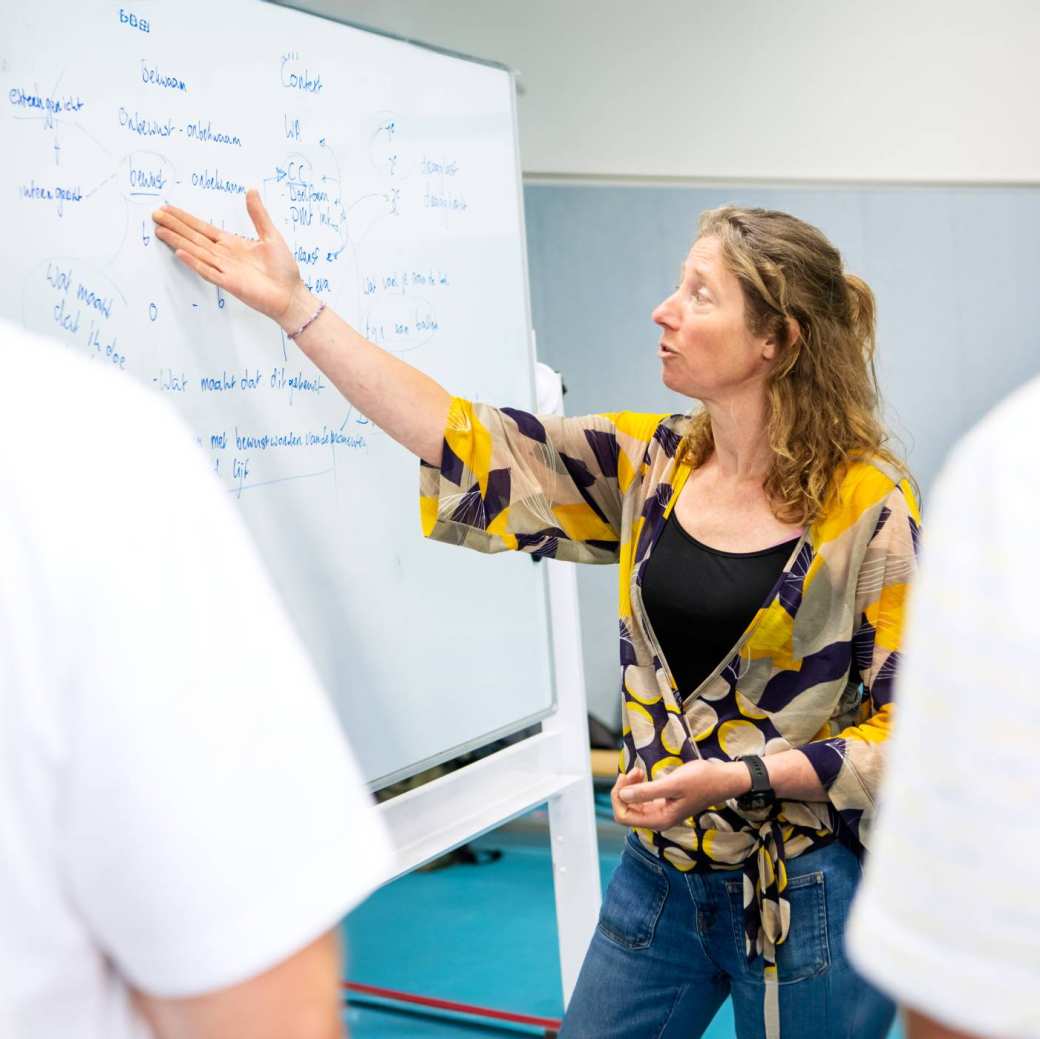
[622, 813]
[261, 273]
[689, 789]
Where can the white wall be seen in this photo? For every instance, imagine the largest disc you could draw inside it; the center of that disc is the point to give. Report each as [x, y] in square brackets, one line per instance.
[933, 90]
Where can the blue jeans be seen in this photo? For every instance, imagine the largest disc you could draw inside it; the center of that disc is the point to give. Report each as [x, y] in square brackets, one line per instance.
[669, 949]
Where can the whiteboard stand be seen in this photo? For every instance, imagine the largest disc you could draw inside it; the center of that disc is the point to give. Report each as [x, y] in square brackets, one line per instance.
[572, 818]
[552, 766]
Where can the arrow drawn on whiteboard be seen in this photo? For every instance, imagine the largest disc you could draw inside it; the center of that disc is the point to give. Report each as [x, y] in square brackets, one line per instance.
[335, 159]
[86, 132]
[100, 186]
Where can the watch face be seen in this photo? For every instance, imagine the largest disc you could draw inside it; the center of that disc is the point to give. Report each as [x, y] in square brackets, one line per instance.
[756, 800]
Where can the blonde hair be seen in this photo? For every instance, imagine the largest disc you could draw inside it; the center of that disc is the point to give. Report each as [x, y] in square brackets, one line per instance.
[822, 390]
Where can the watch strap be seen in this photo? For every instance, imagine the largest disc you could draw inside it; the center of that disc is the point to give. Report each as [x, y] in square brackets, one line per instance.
[759, 774]
[761, 794]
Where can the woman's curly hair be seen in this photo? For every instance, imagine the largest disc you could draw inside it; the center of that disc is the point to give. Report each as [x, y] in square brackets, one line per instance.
[823, 390]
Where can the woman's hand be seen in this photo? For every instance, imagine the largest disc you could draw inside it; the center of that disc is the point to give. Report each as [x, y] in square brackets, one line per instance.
[262, 273]
[664, 803]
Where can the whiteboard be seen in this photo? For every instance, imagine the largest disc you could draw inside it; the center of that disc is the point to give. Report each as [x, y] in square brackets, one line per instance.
[392, 171]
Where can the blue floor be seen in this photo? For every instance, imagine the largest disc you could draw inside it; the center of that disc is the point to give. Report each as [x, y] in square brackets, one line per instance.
[478, 934]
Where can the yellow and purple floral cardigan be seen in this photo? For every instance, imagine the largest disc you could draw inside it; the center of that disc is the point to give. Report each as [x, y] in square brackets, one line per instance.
[813, 671]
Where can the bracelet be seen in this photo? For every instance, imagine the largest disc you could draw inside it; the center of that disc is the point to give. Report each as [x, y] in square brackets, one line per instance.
[307, 324]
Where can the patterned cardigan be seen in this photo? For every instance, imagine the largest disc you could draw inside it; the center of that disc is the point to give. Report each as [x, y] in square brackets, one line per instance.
[813, 671]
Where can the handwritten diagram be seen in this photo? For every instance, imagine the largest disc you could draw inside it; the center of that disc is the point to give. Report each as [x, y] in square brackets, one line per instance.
[392, 172]
[97, 154]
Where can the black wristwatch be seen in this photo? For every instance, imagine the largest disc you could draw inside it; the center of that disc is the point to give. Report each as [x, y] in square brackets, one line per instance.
[761, 794]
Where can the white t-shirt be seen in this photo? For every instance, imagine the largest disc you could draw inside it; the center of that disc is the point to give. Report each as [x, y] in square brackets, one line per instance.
[178, 807]
[948, 918]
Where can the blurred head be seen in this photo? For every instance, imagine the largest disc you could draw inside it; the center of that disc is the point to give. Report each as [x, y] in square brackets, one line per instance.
[764, 300]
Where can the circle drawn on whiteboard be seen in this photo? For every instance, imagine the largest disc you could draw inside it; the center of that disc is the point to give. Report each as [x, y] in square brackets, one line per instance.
[145, 178]
[401, 323]
[391, 148]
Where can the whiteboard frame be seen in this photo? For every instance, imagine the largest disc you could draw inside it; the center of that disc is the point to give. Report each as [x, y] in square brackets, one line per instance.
[551, 766]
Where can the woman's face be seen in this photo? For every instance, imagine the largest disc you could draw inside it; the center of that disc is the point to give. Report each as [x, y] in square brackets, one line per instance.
[706, 348]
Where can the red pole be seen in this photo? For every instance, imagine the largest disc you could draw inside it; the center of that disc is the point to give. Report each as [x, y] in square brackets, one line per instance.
[548, 1023]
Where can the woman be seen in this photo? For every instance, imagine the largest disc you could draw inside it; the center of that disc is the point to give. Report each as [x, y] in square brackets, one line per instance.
[765, 544]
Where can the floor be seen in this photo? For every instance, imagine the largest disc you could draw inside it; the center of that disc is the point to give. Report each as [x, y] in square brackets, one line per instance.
[480, 934]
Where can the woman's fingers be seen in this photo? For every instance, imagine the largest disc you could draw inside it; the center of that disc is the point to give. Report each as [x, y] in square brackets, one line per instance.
[658, 815]
[650, 815]
[258, 214]
[193, 223]
[175, 239]
[654, 791]
[627, 817]
[262, 274]
[166, 219]
[650, 805]
[171, 224]
[180, 244]
[622, 813]
[200, 267]
[625, 779]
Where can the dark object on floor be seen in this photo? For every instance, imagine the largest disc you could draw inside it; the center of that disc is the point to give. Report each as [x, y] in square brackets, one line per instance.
[464, 855]
[601, 736]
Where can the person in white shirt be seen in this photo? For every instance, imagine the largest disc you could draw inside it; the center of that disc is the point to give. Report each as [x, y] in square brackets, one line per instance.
[182, 825]
[947, 919]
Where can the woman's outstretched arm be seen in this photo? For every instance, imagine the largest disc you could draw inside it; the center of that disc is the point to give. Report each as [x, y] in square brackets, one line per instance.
[405, 403]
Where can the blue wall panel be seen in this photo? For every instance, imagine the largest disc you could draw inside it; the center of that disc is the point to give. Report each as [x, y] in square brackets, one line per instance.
[955, 271]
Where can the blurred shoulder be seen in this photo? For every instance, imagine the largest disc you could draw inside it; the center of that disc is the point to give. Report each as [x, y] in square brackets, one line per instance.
[1009, 431]
[992, 465]
[55, 400]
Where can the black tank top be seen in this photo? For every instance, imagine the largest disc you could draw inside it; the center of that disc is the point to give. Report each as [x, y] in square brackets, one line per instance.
[700, 600]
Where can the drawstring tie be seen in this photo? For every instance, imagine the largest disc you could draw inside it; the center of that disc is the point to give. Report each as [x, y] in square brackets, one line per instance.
[767, 913]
